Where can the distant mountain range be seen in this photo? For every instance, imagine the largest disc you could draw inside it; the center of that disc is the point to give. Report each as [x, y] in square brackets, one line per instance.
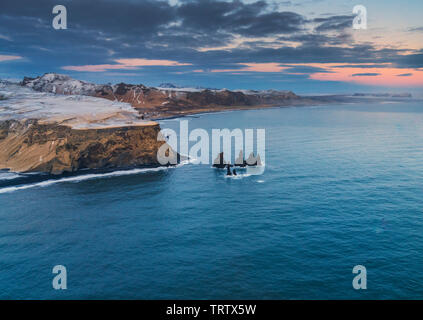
[170, 100]
[166, 100]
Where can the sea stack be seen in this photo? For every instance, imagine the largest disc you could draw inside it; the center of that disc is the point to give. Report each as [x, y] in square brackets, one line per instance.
[219, 162]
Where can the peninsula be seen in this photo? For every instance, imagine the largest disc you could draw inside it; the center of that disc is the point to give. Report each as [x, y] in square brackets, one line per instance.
[57, 124]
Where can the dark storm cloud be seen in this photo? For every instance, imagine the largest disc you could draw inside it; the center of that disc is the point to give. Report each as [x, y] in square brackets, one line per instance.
[141, 26]
[100, 31]
[91, 24]
[144, 19]
[237, 17]
[106, 15]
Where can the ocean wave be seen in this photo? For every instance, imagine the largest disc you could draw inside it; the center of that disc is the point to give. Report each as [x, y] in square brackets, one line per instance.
[86, 177]
[9, 176]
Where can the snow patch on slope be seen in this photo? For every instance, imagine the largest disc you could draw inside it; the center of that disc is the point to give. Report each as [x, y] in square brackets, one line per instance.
[76, 111]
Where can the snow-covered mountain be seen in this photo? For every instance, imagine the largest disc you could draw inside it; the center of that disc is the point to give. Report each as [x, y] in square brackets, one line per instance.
[157, 102]
[59, 83]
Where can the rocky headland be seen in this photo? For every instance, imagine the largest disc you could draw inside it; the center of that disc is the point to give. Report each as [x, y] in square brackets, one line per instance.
[53, 133]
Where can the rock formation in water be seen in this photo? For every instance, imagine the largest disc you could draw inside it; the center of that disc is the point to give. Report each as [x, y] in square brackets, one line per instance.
[219, 162]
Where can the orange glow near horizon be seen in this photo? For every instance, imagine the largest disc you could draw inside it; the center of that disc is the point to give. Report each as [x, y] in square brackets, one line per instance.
[381, 74]
[360, 73]
[388, 76]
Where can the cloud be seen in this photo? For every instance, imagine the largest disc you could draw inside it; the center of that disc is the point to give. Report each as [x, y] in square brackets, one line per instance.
[376, 76]
[417, 29]
[334, 23]
[223, 36]
[404, 75]
[255, 67]
[413, 60]
[125, 64]
[237, 17]
[147, 62]
[365, 74]
[106, 16]
[9, 58]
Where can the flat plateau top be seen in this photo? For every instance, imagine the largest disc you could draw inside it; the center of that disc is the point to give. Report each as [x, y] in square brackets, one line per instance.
[75, 111]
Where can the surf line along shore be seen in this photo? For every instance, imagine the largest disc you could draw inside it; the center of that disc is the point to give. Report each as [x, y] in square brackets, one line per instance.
[221, 139]
[215, 309]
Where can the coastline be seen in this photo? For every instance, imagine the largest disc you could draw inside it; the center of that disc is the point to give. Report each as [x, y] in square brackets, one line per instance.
[312, 102]
[218, 109]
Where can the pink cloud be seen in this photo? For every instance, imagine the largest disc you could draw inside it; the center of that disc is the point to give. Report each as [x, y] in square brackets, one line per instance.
[9, 58]
[387, 76]
[125, 64]
[361, 73]
[147, 62]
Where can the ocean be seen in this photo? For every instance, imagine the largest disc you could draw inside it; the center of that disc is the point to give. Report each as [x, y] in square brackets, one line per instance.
[342, 186]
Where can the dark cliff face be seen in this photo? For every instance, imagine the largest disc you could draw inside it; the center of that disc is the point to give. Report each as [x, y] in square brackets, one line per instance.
[30, 146]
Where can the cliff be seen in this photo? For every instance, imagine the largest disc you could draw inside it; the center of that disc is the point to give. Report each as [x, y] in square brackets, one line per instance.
[44, 132]
[28, 146]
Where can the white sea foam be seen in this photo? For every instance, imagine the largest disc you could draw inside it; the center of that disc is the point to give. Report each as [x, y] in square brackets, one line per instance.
[238, 176]
[86, 177]
[9, 176]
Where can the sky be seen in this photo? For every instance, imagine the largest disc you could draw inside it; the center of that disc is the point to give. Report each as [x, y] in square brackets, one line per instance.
[306, 46]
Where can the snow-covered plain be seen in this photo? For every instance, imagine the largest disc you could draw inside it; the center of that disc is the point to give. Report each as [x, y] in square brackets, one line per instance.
[76, 111]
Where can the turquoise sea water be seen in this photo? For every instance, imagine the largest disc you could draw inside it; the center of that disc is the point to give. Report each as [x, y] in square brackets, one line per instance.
[342, 187]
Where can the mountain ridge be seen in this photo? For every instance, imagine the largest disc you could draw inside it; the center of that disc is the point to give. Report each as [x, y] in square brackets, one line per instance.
[156, 102]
